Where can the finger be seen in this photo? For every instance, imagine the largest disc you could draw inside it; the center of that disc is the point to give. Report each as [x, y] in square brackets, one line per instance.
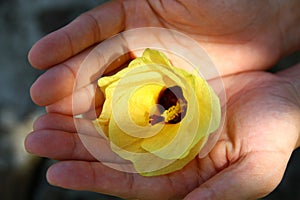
[86, 99]
[92, 114]
[94, 176]
[90, 176]
[251, 177]
[54, 121]
[60, 145]
[55, 137]
[57, 145]
[60, 81]
[63, 137]
[86, 30]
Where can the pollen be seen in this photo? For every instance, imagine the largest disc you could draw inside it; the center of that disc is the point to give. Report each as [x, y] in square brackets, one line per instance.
[174, 107]
[172, 112]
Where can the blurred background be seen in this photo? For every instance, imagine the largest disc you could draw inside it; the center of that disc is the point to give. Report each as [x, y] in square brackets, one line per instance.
[22, 176]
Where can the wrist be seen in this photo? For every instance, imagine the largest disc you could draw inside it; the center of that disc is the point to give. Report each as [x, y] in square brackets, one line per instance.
[288, 23]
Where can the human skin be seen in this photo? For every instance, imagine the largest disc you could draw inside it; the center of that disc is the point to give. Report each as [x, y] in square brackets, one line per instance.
[248, 161]
[261, 129]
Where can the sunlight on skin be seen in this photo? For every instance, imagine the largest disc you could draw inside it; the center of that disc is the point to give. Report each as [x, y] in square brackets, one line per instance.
[262, 124]
[254, 151]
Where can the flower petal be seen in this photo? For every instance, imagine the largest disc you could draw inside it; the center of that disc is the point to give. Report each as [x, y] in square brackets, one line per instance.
[193, 126]
[156, 57]
[141, 102]
[123, 140]
[176, 165]
[131, 97]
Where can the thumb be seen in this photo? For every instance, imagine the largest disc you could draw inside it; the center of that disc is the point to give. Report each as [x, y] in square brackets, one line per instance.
[251, 177]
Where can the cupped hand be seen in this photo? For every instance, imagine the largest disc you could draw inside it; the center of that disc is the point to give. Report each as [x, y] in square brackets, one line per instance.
[237, 28]
[260, 132]
[238, 36]
[262, 121]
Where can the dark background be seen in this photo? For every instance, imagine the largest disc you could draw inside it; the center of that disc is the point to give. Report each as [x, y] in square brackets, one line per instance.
[22, 176]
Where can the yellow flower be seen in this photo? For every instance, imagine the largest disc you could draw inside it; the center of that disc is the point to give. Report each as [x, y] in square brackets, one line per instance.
[156, 115]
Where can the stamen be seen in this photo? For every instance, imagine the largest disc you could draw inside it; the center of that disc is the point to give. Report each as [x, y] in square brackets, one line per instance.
[173, 106]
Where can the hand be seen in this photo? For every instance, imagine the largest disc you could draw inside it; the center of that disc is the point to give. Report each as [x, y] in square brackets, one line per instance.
[253, 40]
[243, 153]
[248, 161]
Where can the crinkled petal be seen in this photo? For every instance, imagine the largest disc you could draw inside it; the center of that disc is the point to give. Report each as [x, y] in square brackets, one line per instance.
[156, 57]
[176, 164]
[131, 95]
[142, 101]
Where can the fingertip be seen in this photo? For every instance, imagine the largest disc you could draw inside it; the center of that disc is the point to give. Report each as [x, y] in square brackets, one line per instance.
[42, 122]
[30, 56]
[33, 56]
[36, 55]
[34, 143]
[54, 174]
[35, 93]
[38, 93]
[50, 50]
[52, 86]
[28, 143]
[70, 174]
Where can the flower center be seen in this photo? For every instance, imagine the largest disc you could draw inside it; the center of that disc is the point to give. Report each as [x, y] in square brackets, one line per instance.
[173, 106]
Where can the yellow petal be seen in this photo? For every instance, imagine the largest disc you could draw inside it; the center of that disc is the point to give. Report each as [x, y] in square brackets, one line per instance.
[132, 94]
[129, 148]
[103, 121]
[134, 82]
[156, 57]
[123, 140]
[142, 101]
[139, 62]
[161, 139]
[176, 164]
[188, 132]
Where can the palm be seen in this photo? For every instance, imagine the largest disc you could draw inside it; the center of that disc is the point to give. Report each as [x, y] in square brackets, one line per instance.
[253, 34]
[249, 147]
[244, 40]
[214, 26]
